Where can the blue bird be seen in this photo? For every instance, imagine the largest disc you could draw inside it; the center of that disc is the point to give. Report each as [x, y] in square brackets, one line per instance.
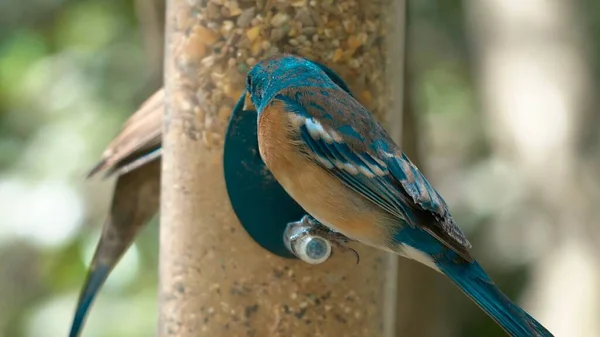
[342, 167]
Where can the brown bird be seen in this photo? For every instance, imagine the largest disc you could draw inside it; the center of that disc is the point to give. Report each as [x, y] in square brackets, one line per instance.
[134, 157]
[139, 141]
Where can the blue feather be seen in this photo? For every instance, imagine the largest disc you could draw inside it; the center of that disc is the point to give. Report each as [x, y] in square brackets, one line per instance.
[273, 75]
[474, 282]
[96, 278]
[374, 187]
[353, 182]
[427, 198]
[348, 130]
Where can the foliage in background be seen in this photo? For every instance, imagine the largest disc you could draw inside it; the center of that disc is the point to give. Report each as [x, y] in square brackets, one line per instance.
[70, 73]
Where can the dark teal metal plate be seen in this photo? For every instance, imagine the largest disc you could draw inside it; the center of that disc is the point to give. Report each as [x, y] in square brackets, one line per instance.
[262, 206]
[260, 203]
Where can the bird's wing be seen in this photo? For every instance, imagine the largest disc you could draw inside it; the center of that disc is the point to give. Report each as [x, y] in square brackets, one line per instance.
[427, 198]
[343, 138]
[138, 143]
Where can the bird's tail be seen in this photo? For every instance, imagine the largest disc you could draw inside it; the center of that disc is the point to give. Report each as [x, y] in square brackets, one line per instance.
[95, 280]
[476, 284]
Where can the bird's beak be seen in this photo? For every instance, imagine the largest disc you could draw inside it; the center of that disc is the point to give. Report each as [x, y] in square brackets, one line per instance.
[248, 105]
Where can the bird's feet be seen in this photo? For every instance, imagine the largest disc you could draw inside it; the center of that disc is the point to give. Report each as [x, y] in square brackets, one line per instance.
[337, 239]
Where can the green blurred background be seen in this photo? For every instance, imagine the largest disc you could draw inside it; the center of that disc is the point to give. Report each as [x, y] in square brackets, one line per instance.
[71, 72]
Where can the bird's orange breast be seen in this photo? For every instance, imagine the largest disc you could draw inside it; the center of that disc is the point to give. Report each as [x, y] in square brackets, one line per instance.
[320, 193]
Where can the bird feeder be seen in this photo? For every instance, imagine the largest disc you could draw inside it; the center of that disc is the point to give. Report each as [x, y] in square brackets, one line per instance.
[220, 273]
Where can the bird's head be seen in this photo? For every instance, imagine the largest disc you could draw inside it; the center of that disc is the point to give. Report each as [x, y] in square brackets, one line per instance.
[272, 75]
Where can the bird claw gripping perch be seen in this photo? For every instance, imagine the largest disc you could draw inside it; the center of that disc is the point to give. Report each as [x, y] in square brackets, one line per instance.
[300, 239]
[311, 241]
[337, 239]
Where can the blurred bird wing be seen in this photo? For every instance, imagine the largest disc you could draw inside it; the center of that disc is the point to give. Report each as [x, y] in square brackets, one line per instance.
[138, 143]
[354, 148]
